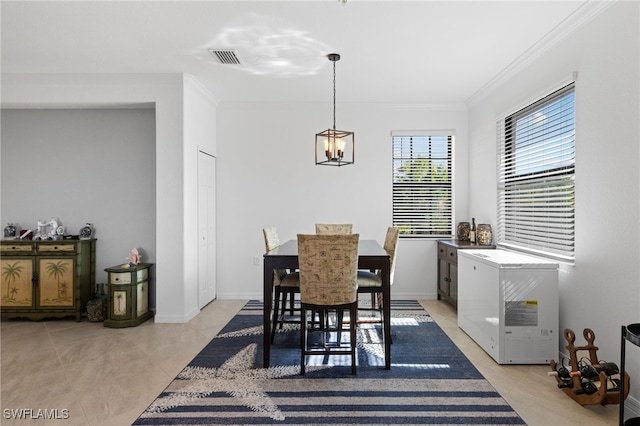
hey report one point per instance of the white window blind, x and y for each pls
(536, 165)
(422, 185)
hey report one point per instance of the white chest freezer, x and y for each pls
(508, 304)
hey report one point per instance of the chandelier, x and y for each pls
(334, 147)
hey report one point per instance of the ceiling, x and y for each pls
(407, 52)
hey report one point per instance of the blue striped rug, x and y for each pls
(430, 381)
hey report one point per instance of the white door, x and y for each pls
(206, 228)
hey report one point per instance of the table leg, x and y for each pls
(267, 297)
(386, 312)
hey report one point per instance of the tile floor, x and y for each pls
(105, 376)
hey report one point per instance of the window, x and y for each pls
(536, 164)
(422, 185)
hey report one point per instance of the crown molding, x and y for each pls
(197, 84)
(584, 14)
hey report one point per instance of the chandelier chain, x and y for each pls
(334, 95)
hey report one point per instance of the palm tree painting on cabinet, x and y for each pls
(56, 282)
(17, 287)
(120, 305)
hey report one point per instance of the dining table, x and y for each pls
(371, 256)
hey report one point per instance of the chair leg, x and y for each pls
(283, 308)
(352, 325)
(339, 322)
(276, 314)
(379, 297)
(303, 338)
(292, 301)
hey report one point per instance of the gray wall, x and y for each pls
(80, 166)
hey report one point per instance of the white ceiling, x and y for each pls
(426, 52)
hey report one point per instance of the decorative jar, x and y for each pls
(463, 231)
(484, 235)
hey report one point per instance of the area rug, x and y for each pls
(430, 380)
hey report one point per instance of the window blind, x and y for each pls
(422, 185)
(536, 167)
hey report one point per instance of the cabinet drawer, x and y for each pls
(56, 248)
(442, 251)
(16, 248)
(120, 278)
(452, 255)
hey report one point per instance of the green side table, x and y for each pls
(128, 295)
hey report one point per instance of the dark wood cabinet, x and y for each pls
(448, 267)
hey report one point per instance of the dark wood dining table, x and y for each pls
(371, 255)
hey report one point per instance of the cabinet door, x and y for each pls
(443, 278)
(453, 281)
(120, 302)
(56, 282)
(142, 299)
(17, 282)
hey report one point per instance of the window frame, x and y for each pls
(536, 208)
(419, 223)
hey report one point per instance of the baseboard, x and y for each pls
(239, 296)
(176, 319)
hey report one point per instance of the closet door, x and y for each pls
(206, 228)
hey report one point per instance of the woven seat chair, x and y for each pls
(328, 266)
(326, 229)
(334, 228)
(285, 285)
(371, 281)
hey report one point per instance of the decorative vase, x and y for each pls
(97, 307)
(463, 231)
(484, 234)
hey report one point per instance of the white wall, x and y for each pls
(199, 134)
(267, 177)
(83, 165)
(602, 290)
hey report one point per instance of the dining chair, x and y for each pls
(334, 228)
(328, 266)
(371, 281)
(284, 284)
(325, 229)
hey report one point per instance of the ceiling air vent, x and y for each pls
(226, 57)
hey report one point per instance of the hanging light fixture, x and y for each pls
(334, 147)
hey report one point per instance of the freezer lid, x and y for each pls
(505, 259)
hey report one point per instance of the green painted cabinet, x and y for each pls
(128, 295)
(46, 279)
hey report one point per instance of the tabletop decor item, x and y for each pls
(484, 234)
(10, 231)
(463, 231)
(26, 234)
(134, 257)
(86, 232)
(47, 230)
